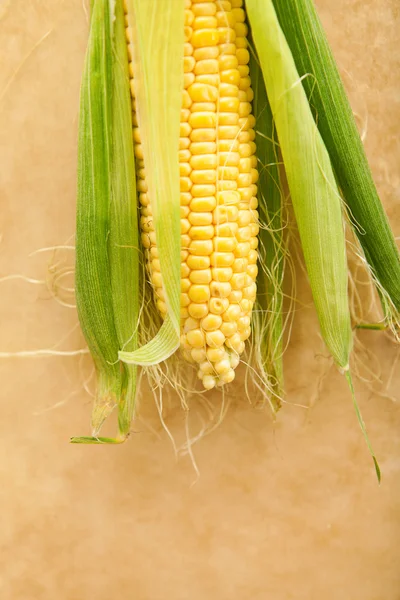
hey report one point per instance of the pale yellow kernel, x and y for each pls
(185, 225)
(242, 250)
(185, 112)
(185, 198)
(202, 276)
(206, 66)
(205, 232)
(228, 118)
(199, 354)
(243, 323)
(238, 281)
(220, 289)
(228, 132)
(211, 322)
(205, 22)
(200, 218)
(250, 292)
(228, 90)
(216, 354)
(204, 161)
(152, 237)
(155, 264)
(187, 47)
(184, 312)
(227, 377)
(209, 382)
(203, 147)
(228, 159)
(234, 342)
(240, 265)
(235, 360)
(222, 259)
(228, 145)
(222, 366)
(218, 305)
(245, 334)
(198, 262)
(227, 198)
(254, 243)
(203, 135)
(246, 195)
(222, 273)
(226, 229)
(252, 257)
(185, 271)
(243, 234)
(227, 35)
(205, 37)
(207, 176)
(211, 79)
(229, 48)
(252, 271)
(146, 224)
(203, 107)
(225, 19)
(231, 76)
(184, 143)
(197, 311)
(191, 324)
(184, 255)
(215, 339)
(227, 185)
(246, 305)
(203, 204)
(229, 173)
(206, 368)
(185, 300)
(224, 244)
(206, 53)
(244, 180)
(228, 328)
(195, 338)
(245, 150)
(203, 120)
(244, 218)
(201, 92)
(232, 313)
(188, 79)
(189, 17)
(225, 213)
(244, 137)
(154, 253)
(201, 247)
(254, 229)
(184, 129)
(184, 169)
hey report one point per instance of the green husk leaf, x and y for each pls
(158, 50)
(315, 197)
(92, 275)
(325, 90)
(87, 439)
(269, 329)
(124, 237)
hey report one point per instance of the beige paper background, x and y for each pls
(291, 511)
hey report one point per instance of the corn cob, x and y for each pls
(219, 220)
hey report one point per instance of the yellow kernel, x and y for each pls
(184, 169)
(227, 377)
(189, 17)
(244, 180)
(156, 279)
(222, 259)
(205, 22)
(226, 35)
(184, 143)
(243, 234)
(254, 243)
(139, 154)
(144, 199)
(246, 195)
(203, 135)
(203, 204)
(229, 328)
(228, 173)
(232, 313)
(231, 76)
(195, 338)
(162, 307)
(215, 339)
(216, 354)
(228, 118)
(207, 66)
(244, 137)
(228, 159)
(222, 273)
(224, 244)
(218, 305)
(145, 239)
(225, 185)
(206, 369)
(242, 250)
(241, 30)
(254, 229)
(228, 132)
(244, 71)
(202, 190)
(220, 289)
(205, 37)
(204, 161)
(205, 232)
(211, 322)
(185, 184)
(228, 145)
(209, 382)
(203, 120)
(186, 100)
(201, 276)
(191, 324)
(210, 79)
(197, 311)
(227, 62)
(185, 301)
(240, 265)
(227, 89)
(203, 7)
(228, 48)
(246, 305)
(238, 13)
(245, 334)
(235, 343)
(206, 53)
(184, 129)
(203, 176)
(252, 257)
(201, 247)
(198, 354)
(225, 213)
(203, 147)
(252, 271)
(185, 198)
(222, 366)
(249, 292)
(225, 19)
(201, 92)
(203, 107)
(199, 293)
(241, 42)
(228, 197)
(238, 281)
(243, 323)
(200, 218)
(184, 255)
(245, 165)
(188, 79)
(185, 271)
(198, 262)
(185, 225)
(244, 218)
(226, 230)
(184, 313)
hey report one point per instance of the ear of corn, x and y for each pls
(324, 88)
(217, 201)
(269, 331)
(93, 282)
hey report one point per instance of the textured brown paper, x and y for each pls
(285, 511)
